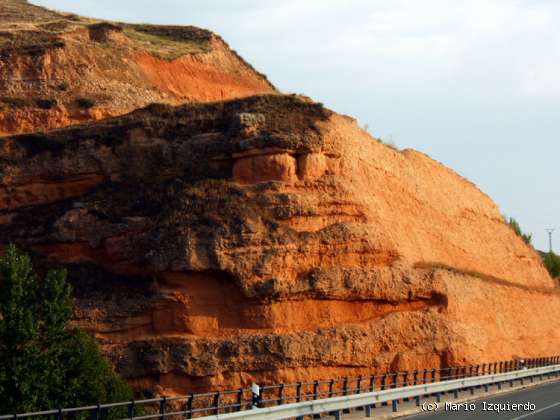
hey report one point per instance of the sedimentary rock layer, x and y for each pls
(58, 69)
(270, 239)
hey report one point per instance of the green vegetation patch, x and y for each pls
(56, 26)
(552, 263)
(527, 237)
(28, 42)
(169, 42)
(47, 363)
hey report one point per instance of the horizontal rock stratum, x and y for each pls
(267, 238)
(270, 239)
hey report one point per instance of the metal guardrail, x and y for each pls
(335, 406)
(313, 397)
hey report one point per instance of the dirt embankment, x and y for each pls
(59, 69)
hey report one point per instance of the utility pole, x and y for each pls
(550, 231)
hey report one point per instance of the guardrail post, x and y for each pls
(331, 384)
(217, 403)
(281, 394)
(433, 375)
(359, 384)
(383, 385)
(96, 413)
(131, 410)
(162, 408)
(371, 388)
(395, 406)
(395, 380)
(337, 415)
(315, 390)
(502, 367)
(59, 414)
(415, 382)
(405, 382)
(189, 405)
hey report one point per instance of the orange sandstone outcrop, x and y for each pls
(270, 239)
(59, 69)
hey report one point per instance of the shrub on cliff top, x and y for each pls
(552, 263)
(527, 237)
(46, 363)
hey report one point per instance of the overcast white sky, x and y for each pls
(473, 83)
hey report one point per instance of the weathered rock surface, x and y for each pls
(270, 239)
(59, 69)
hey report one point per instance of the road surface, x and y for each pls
(546, 400)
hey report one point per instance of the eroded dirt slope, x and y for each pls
(59, 69)
(270, 239)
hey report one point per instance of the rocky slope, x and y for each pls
(270, 239)
(58, 69)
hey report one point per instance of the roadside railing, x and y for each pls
(313, 397)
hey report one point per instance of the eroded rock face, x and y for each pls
(59, 69)
(270, 239)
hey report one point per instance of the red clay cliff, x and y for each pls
(58, 69)
(267, 238)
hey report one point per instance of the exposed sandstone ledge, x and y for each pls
(207, 253)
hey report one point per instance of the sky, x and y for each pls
(473, 83)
